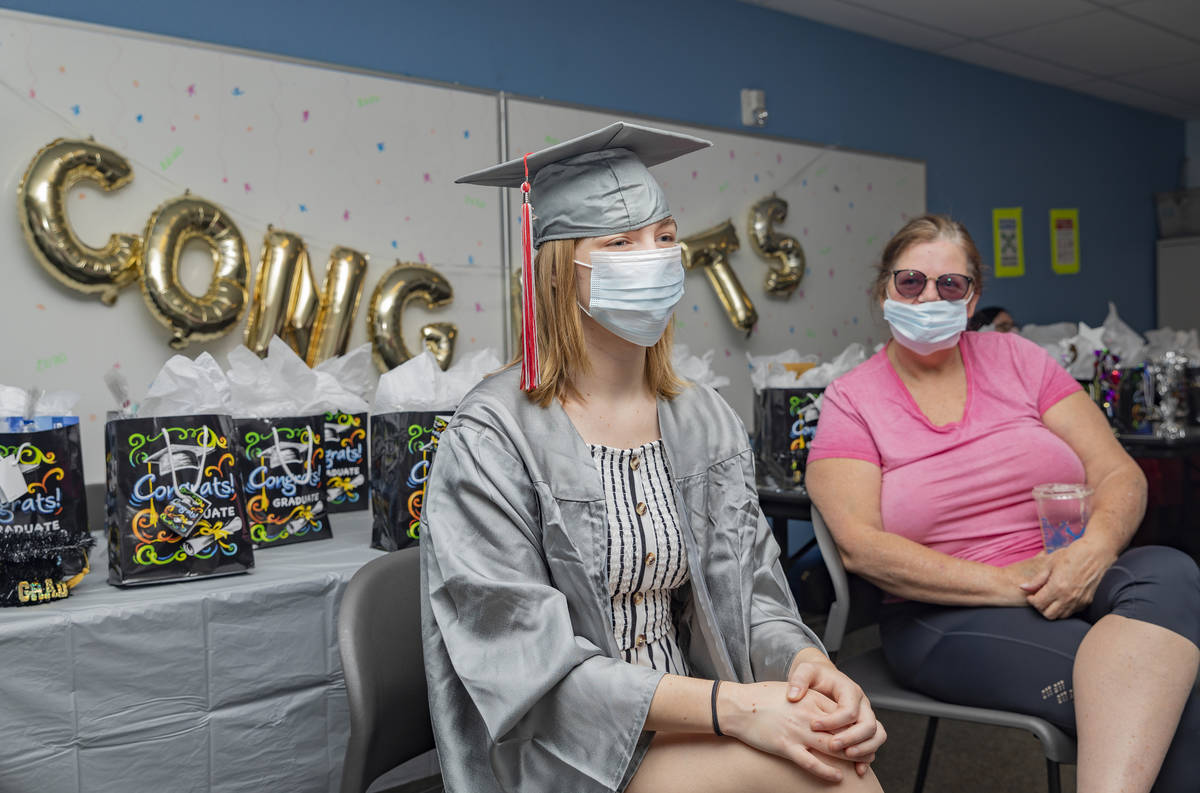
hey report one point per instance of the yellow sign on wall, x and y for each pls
(1009, 241)
(1064, 241)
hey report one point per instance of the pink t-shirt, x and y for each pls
(963, 488)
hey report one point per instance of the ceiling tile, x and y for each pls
(980, 19)
(1181, 81)
(1104, 43)
(983, 54)
(1127, 95)
(865, 21)
(1180, 16)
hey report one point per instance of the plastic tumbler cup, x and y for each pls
(1063, 511)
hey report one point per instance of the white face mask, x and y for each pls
(633, 293)
(926, 328)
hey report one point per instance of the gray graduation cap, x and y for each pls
(595, 184)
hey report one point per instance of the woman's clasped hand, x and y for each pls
(817, 711)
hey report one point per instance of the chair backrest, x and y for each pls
(379, 637)
(855, 601)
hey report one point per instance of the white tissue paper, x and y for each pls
(14, 400)
(698, 369)
(186, 387)
(1077, 354)
(768, 371)
(824, 374)
(420, 384)
(1122, 340)
(1167, 339)
(282, 384)
(1049, 337)
(355, 371)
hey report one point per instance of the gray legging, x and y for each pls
(1014, 659)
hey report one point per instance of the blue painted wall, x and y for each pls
(988, 139)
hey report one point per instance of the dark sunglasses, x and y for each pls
(911, 283)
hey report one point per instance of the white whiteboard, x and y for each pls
(842, 207)
(339, 158)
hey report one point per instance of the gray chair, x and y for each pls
(870, 670)
(379, 637)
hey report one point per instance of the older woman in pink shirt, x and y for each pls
(923, 466)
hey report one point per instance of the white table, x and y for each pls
(224, 684)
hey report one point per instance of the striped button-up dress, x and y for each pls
(646, 558)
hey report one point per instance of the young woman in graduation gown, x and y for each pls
(604, 607)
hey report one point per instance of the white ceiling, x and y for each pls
(1144, 53)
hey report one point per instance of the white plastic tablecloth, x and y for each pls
(223, 684)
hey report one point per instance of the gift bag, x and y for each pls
(345, 445)
(174, 507)
(785, 421)
(402, 448)
(44, 538)
(282, 475)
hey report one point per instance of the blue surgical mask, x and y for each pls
(633, 293)
(926, 328)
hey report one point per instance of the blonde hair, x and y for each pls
(928, 228)
(562, 350)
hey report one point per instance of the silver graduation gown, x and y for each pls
(526, 687)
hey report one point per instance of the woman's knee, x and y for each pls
(1158, 585)
(1161, 566)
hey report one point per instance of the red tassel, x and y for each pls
(529, 351)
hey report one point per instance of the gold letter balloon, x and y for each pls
(283, 258)
(400, 285)
(286, 301)
(41, 204)
(710, 251)
(783, 254)
(174, 224)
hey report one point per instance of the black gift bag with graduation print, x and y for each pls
(785, 421)
(403, 445)
(174, 506)
(283, 479)
(345, 445)
(44, 538)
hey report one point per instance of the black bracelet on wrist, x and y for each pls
(716, 724)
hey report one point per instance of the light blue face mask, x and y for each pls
(926, 328)
(633, 293)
